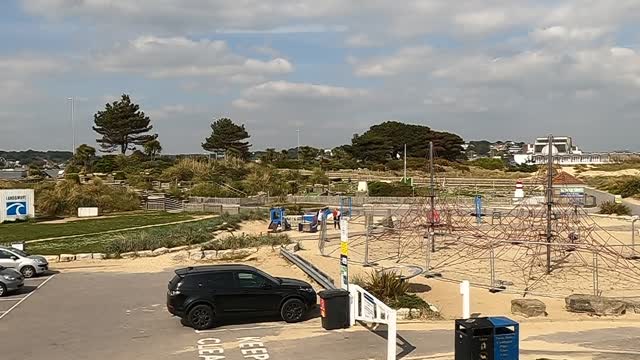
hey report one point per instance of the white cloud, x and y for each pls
(404, 60)
(564, 34)
(361, 40)
(29, 65)
(159, 57)
(284, 89)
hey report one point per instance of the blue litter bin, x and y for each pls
(506, 342)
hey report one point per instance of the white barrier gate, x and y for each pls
(365, 307)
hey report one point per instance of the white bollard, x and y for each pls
(465, 292)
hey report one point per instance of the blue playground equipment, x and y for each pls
(278, 220)
(309, 223)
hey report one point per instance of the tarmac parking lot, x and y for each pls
(122, 316)
(102, 315)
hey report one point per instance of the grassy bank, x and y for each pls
(25, 231)
(191, 233)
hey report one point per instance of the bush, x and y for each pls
(609, 207)
(386, 286)
(399, 189)
(247, 241)
(209, 190)
(525, 168)
(65, 197)
(630, 188)
(488, 163)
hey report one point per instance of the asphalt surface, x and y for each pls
(118, 316)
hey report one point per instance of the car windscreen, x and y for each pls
(19, 252)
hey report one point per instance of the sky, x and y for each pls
(489, 69)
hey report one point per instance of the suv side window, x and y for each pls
(250, 280)
(5, 254)
(220, 280)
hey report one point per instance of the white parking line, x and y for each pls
(237, 329)
(12, 299)
(26, 297)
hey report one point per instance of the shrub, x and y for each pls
(609, 207)
(488, 163)
(386, 286)
(247, 241)
(377, 188)
(630, 188)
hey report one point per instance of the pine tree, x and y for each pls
(122, 125)
(227, 136)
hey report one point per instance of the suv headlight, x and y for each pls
(9, 277)
(174, 292)
(307, 289)
(41, 261)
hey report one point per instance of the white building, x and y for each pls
(564, 153)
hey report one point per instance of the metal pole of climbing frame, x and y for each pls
(549, 200)
(432, 196)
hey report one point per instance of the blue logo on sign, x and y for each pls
(18, 208)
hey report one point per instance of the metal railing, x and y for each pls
(308, 268)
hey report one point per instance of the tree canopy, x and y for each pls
(152, 148)
(122, 126)
(384, 141)
(227, 136)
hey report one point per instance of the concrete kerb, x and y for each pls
(194, 252)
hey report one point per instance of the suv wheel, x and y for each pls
(3, 290)
(28, 272)
(201, 317)
(292, 310)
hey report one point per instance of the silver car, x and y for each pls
(10, 280)
(28, 265)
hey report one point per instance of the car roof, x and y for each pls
(213, 268)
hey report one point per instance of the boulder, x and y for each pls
(128, 255)
(67, 257)
(633, 304)
(195, 255)
(145, 253)
(178, 248)
(99, 256)
(528, 307)
(595, 305)
(84, 256)
(210, 254)
(52, 258)
(160, 251)
(180, 256)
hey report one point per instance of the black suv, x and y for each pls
(203, 294)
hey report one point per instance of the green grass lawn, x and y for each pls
(190, 233)
(25, 231)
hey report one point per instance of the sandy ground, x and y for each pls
(475, 266)
(266, 259)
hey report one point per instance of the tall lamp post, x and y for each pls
(73, 124)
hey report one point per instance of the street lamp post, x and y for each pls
(73, 124)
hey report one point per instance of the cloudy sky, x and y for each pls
(483, 69)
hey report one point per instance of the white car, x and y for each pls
(28, 265)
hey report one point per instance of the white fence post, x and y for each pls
(465, 292)
(365, 307)
(391, 336)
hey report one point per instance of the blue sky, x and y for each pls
(489, 69)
